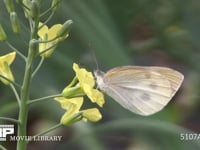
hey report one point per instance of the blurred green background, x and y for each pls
(137, 32)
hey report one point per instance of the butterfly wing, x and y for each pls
(143, 90)
(175, 78)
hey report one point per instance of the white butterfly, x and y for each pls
(142, 90)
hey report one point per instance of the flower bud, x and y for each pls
(63, 32)
(27, 4)
(34, 10)
(14, 22)
(3, 36)
(68, 119)
(9, 5)
(69, 92)
(55, 4)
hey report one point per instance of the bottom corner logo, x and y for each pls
(6, 130)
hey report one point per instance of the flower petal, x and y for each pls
(53, 31)
(87, 82)
(45, 46)
(92, 114)
(94, 95)
(7, 73)
(70, 118)
(48, 34)
(72, 106)
(44, 30)
(67, 103)
(84, 76)
(9, 58)
(5, 62)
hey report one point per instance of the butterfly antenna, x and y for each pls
(94, 56)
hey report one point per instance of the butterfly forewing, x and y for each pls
(175, 77)
(143, 90)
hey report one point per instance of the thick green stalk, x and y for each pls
(23, 113)
(25, 90)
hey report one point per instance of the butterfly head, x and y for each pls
(99, 77)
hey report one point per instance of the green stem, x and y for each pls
(49, 130)
(43, 98)
(11, 81)
(47, 41)
(30, 24)
(38, 67)
(9, 119)
(49, 48)
(2, 147)
(45, 12)
(48, 10)
(25, 90)
(14, 49)
(16, 94)
(23, 113)
(50, 17)
(74, 81)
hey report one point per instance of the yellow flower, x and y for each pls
(87, 83)
(72, 100)
(67, 104)
(92, 114)
(5, 71)
(72, 106)
(46, 34)
(73, 113)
